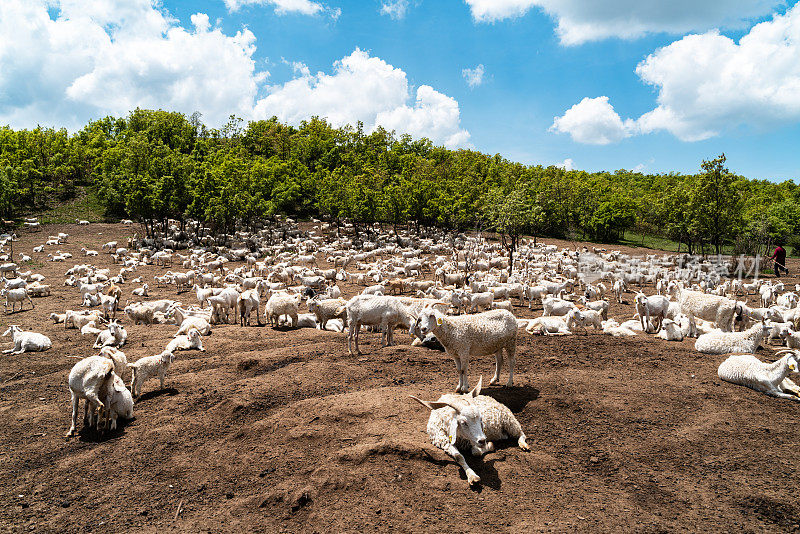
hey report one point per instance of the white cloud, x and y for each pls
(396, 9)
(593, 121)
(474, 77)
(366, 89)
(434, 115)
(283, 7)
(303, 7)
(579, 21)
(200, 22)
(107, 57)
(298, 67)
(494, 10)
(567, 165)
(110, 56)
(707, 84)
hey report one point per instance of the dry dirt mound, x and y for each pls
(274, 430)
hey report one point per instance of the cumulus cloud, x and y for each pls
(707, 84)
(474, 77)
(593, 121)
(567, 165)
(92, 58)
(298, 67)
(579, 21)
(367, 89)
(396, 9)
(282, 7)
(494, 10)
(109, 56)
(433, 115)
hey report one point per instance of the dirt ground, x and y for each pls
(278, 430)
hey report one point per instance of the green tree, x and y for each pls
(717, 202)
(509, 215)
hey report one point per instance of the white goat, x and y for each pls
(109, 304)
(556, 307)
(377, 310)
(190, 341)
(80, 319)
(247, 303)
(472, 421)
(16, 295)
(26, 341)
(655, 306)
(770, 378)
(224, 303)
(612, 328)
(670, 331)
(147, 367)
(37, 289)
(139, 313)
(326, 309)
(88, 379)
(119, 403)
(482, 300)
(117, 357)
(548, 326)
(141, 291)
(281, 304)
(584, 318)
(694, 304)
(732, 342)
(619, 289)
(115, 335)
(473, 335)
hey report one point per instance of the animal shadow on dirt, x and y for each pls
(485, 469)
(515, 397)
(282, 328)
(170, 392)
(92, 435)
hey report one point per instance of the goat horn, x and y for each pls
(435, 405)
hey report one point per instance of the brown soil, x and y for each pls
(278, 430)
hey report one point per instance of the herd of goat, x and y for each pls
(453, 293)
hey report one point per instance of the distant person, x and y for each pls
(779, 257)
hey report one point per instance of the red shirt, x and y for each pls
(779, 255)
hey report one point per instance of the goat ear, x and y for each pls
(477, 389)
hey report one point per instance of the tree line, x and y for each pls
(156, 165)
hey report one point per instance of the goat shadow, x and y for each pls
(92, 435)
(282, 328)
(515, 397)
(157, 393)
(481, 465)
(485, 469)
(15, 312)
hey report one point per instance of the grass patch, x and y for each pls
(87, 207)
(635, 240)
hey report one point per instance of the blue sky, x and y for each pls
(634, 84)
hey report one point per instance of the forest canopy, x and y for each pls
(155, 165)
